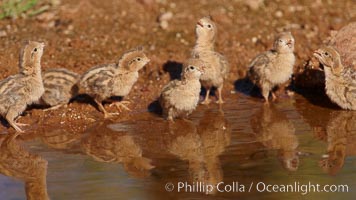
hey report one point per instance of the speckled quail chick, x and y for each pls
(113, 80)
(217, 67)
(25, 88)
(340, 80)
(180, 97)
(60, 87)
(274, 67)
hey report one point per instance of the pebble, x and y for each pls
(254, 40)
(278, 14)
(254, 4)
(164, 18)
(3, 33)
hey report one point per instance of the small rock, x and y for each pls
(254, 4)
(172, 5)
(254, 40)
(3, 33)
(183, 41)
(69, 30)
(46, 17)
(163, 25)
(164, 18)
(278, 14)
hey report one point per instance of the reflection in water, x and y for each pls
(275, 131)
(60, 138)
(201, 146)
(16, 162)
(341, 139)
(106, 145)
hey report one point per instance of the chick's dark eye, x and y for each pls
(326, 53)
(35, 49)
(191, 67)
(209, 26)
(138, 59)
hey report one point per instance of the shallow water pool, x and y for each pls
(243, 149)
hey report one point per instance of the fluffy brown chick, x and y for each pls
(25, 88)
(340, 81)
(217, 67)
(274, 67)
(181, 97)
(60, 87)
(113, 80)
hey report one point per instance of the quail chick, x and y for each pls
(217, 67)
(181, 97)
(60, 87)
(340, 80)
(20, 90)
(113, 80)
(274, 67)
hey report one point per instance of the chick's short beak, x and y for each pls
(200, 24)
(317, 53)
(202, 69)
(289, 43)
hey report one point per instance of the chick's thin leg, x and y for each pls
(206, 100)
(18, 123)
(274, 96)
(54, 107)
(122, 105)
(102, 109)
(265, 91)
(170, 115)
(10, 116)
(220, 100)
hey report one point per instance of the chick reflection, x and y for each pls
(106, 145)
(60, 138)
(16, 162)
(201, 146)
(275, 131)
(341, 139)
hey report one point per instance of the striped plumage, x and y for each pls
(113, 80)
(340, 80)
(96, 80)
(60, 86)
(25, 88)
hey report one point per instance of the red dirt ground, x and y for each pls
(81, 34)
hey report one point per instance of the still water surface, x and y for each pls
(243, 143)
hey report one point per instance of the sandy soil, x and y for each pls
(81, 34)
